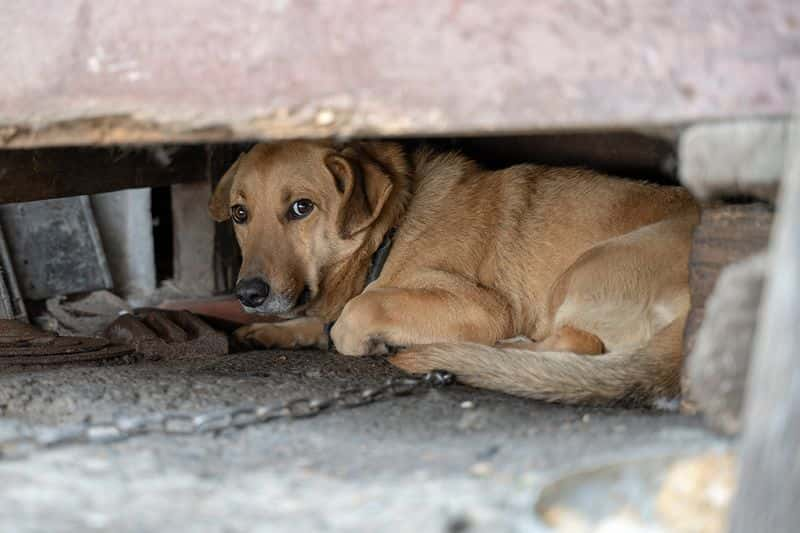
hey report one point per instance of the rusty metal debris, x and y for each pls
(18, 328)
(164, 334)
(49, 350)
(11, 304)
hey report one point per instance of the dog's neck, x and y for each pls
(349, 278)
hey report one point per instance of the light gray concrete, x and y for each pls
(91, 72)
(770, 475)
(733, 157)
(425, 463)
(193, 239)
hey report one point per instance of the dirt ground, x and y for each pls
(448, 460)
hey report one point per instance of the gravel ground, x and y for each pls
(454, 459)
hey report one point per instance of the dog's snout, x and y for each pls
(252, 292)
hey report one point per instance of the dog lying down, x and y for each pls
(563, 285)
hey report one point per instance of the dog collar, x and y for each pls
(375, 267)
(380, 256)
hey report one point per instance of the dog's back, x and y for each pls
(564, 248)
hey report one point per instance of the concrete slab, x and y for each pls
(149, 71)
(425, 463)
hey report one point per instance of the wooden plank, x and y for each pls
(769, 478)
(115, 71)
(38, 174)
(726, 233)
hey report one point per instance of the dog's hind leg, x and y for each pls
(564, 339)
(620, 293)
(438, 307)
(570, 339)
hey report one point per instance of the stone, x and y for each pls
(717, 367)
(740, 157)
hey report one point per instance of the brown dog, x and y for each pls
(592, 268)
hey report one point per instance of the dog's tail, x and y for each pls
(635, 378)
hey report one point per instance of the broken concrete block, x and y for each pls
(742, 157)
(718, 365)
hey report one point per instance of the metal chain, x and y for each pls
(184, 423)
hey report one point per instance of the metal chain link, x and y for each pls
(184, 423)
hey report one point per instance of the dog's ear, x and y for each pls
(364, 185)
(218, 206)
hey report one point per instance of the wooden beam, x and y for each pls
(27, 175)
(727, 233)
(81, 72)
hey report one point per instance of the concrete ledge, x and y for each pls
(733, 158)
(150, 71)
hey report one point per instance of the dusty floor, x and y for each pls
(424, 463)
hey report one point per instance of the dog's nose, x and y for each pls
(252, 291)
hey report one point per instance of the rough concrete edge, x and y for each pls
(316, 120)
(731, 158)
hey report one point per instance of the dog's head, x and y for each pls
(298, 208)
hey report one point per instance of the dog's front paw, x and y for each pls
(262, 335)
(354, 334)
(350, 341)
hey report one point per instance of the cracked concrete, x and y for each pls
(455, 459)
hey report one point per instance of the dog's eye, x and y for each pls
(239, 213)
(301, 209)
